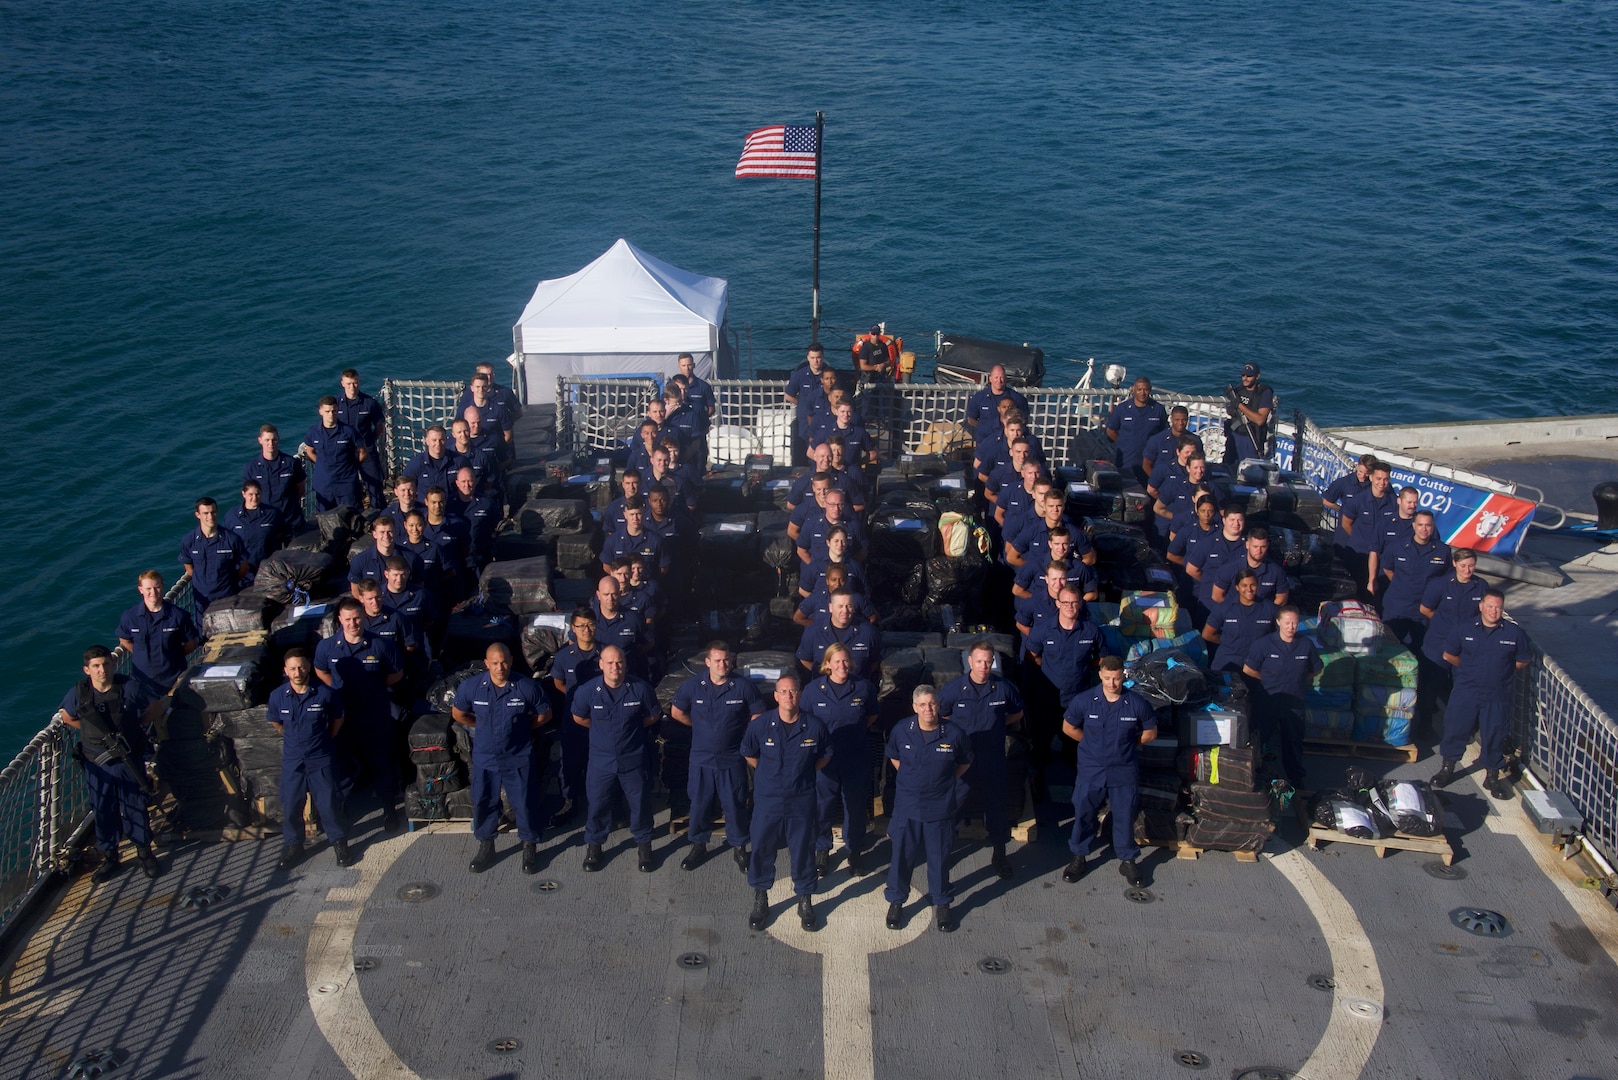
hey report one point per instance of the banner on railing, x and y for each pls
(1466, 516)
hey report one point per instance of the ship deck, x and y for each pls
(1329, 963)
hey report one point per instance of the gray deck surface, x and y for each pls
(587, 975)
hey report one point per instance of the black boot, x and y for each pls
(484, 858)
(1075, 869)
(1131, 873)
(148, 861)
(760, 914)
(740, 855)
(568, 811)
(695, 857)
(1001, 864)
(1497, 785)
(339, 850)
(646, 862)
(592, 858)
(806, 914)
(856, 863)
(1445, 774)
(390, 820)
(944, 920)
(530, 857)
(896, 916)
(822, 862)
(291, 855)
(107, 870)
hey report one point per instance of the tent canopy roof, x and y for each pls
(626, 301)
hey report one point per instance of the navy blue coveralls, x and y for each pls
(308, 757)
(1414, 566)
(364, 414)
(1284, 671)
(924, 806)
(1239, 626)
(1451, 603)
(1135, 425)
(1243, 438)
(359, 672)
(847, 711)
(1064, 656)
(337, 465)
(1481, 700)
(214, 561)
(503, 751)
(116, 799)
(158, 637)
(571, 668)
(788, 757)
(278, 479)
(1361, 510)
(980, 712)
(1108, 767)
(719, 717)
(862, 639)
(621, 753)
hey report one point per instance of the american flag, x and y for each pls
(779, 151)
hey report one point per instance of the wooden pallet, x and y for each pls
(1024, 831)
(1350, 749)
(1432, 845)
(1184, 849)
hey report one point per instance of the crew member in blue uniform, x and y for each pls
(1279, 666)
(1031, 610)
(1410, 566)
(637, 541)
(1247, 424)
(1269, 573)
(846, 705)
(620, 626)
(1486, 652)
(1449, 601)
(1176, 496)
(1110, 724)
(417, 609)
(501, 395)
(453, 538)
(985, 706)
(388, 625)
(1064, 650)
(1187, 544)
(158, 635)
(717, 707)
(983, 407)
(1132, 424)
(929, 756)
(1033, 543)
(504, 710)
(1238, 621)
(404, 501)
(785, 748)
(1337, 495)
(803, 391)
(369, 564)
(361, 668)
(481, 511)
(365, 415)
(1077, 572)
(1358, 519)
(1211, 556)
(812, 545)
(574, 664)
(620, 711)
(336, 451)
(1164, 446)
(493, 416)
(699, 393)
(308, 714)
(431, 557)
(1392, 529)
(834, 577)
(862, 639)
(280, 478)
(434, 465)
(214, 558)
(473, 448)
(257, 526)
(105, 708)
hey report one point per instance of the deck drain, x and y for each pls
(1323, 982)
(203, 896)
(417, 892)
(1363, 1008)
(327, 988)
(1191, 1059)
(97, 1063)
(365, 963)
(1439, 869)
(546, 886)
(1139, 896)
(692, 961)
(994, 965)
(1480, 921)
(507, 1045)
(1264, 1072)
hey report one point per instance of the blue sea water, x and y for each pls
(1403, 211)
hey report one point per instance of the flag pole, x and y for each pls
(820, 124)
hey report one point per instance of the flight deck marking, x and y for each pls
(848, 1051)
(1356, 1015)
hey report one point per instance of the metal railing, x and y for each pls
(44, 806)
(413, 405)
(1571, 744)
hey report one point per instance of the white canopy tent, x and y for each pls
(627, 313)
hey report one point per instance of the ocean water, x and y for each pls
(1404, 212)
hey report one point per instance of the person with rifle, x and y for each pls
(112, 714)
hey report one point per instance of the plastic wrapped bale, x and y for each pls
(730, 542)
(1159, 789)
(233, 614)
(433, 806)
(230, 684)
(908, 536)
(300, 624)
(1230, 803)
(1171, 675)
(1350, 626)
(729, 490)
(1411, 805)
(285, 577)
(543, 636)
(1152, 614)
(1389, 665)
(1233, 767)
(1298, 549)
(522, 587)
(242, 724)
(430, 740)
(896, 582)
(667, 687)
(1219, 834)
(259, 756)
(340, 525)
(555, 516)
(512, 544)
(1190, 643)
(1342, 812)
(579, 554)
(441, 694)
(472, 628)
(441, 776)
(764, 666)
(1333, 724)
(942, 666)
(1337, 672)
(957, 580)
(1156, 826)
(900, 672)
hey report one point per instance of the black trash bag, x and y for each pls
(430, 740)
(340, 525)
(955, 579)
(441, 776)
(287, 576)
(555, 516)
(235, 614)
(1172, 675)
(521, 586)
(441, 694)
(1411, 805)
(539, 644)
(1343, 812)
